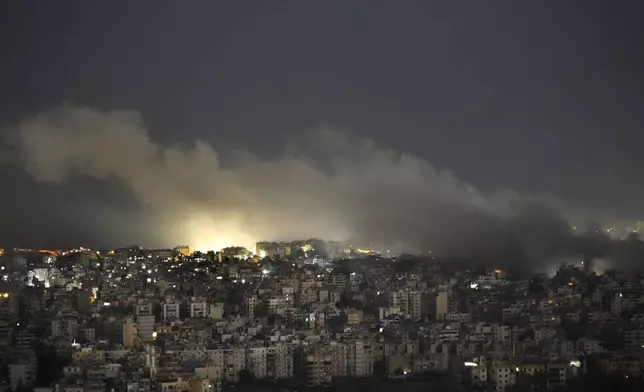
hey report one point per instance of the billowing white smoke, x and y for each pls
(339, 188)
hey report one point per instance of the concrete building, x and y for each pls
(144, 309)
(634, 338)
(360, 358)
(556, 372)
(145, 327)
(319, 369)
(198, 309)
(408, 301)
(256, 361)
(354, 316)
(216, 311)
(502, 376)
(88, 335)
(249, 306)
(414, 304)
(130, 334)
(279, 361)
(234, 362)
(65, 328)
(442, 303)
(171, 310)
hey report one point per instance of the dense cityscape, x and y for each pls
(310, 315)
(321, 196)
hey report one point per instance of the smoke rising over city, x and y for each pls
(331, 186)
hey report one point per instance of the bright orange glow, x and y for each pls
(204, 234)
(51, 252)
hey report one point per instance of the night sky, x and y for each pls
(545, 98)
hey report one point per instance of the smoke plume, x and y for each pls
(335, 188)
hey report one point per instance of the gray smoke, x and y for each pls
(335, 188)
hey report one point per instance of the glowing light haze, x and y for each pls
(332, 187)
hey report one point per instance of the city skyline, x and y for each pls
(330, 196)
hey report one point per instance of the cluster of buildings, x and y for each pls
(137, 320)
